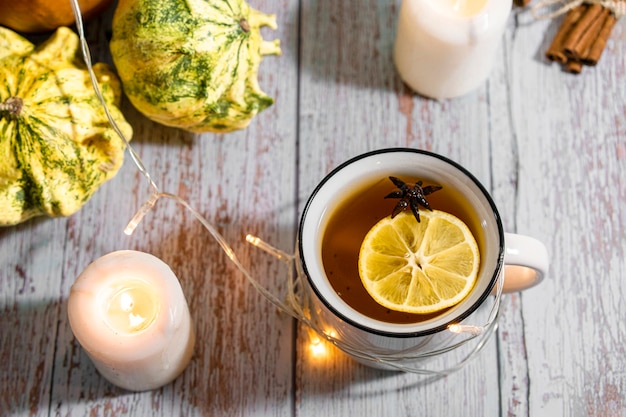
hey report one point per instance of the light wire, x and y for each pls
(296, 302)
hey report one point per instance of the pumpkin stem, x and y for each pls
(245, 26)
(12, 105)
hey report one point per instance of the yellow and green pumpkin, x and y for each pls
(56, 146)
(192, 64)
(36, 16)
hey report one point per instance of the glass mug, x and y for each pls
(508, 262)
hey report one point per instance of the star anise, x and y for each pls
(411, 197)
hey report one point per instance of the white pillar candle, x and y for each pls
(128, 311)
(446, 48)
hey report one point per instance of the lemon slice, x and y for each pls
(420, 267)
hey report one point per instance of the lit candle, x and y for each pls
(446, 48)
(128, 311)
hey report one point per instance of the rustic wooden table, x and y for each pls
(550, 147)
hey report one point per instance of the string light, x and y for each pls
(463, 328)
(255, 241)
(319, 343)
(318, 347)
(331, 333)
(132, 225)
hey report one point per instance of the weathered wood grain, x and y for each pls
(352, 101)
(244, 354)
(569, 193)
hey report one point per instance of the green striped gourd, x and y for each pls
(192, 64)
(56, 147)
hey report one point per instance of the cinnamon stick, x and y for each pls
(580, 29)
(555, 51)
(574, 67)
(592, 56)
(588, 37)
(582, 36)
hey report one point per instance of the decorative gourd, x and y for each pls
(34, 16)
(192, 64)
(56, 146)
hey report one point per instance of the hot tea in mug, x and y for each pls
(339, 214)
(352, 220)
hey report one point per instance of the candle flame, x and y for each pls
(126, 302)
(467, 7)
(458, 4)
(132, 307)
(135, 320)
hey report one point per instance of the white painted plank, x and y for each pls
(340, 72)
(570, 194)
(241, 182)
(550, 146)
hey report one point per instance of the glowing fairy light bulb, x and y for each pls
(318, 347)
(469, 329)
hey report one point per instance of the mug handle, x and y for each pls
(526, 262)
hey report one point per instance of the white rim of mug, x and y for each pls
(400, 334)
